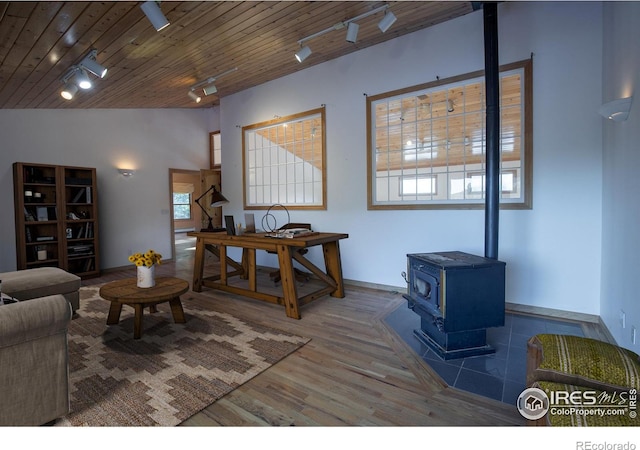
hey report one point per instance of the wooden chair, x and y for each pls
(300, 275)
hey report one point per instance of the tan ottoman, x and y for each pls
(42, 282)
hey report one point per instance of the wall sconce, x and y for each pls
(153, 12)
(126, 172)
(616, 110)
(217, 199)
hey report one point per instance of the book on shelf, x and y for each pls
(82, 195)
(28, 217)
(78, 196)
(42, 213)
(80, 250)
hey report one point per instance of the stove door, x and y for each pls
(424, 288)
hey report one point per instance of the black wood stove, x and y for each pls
(458, 296)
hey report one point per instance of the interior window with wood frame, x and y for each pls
(284, 162)
(427, 144)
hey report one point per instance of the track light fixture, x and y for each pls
(303, 53)
(153, 12)
(81, 79)
(210, 89)
(77, 77)
(68, 91)
(207, 86)
(352, 32)
(386, 22)
(352, 29)
(89, 63)
(195, 97)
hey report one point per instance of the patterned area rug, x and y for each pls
(172, 372)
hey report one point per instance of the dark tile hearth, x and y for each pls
(501, 375)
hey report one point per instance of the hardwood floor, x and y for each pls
(355, 370)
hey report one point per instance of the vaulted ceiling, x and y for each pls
(249, 42)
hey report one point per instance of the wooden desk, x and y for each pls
(286, 250)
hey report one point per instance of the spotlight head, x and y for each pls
(195, 97)
(386, 22)
(352, 32)
(68, 91)
(94, 67)
(153, 12)
(303, 53)
(81, 79)
(210, 89)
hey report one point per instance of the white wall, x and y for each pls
(621, 210)
(134, 212)
(553, 251)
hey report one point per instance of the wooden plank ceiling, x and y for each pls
(39, 41)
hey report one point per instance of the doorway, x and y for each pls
(184, 187)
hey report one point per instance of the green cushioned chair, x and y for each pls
(582, 362)
(571, 363)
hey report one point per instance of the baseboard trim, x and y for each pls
(380, 287)
(550, 312)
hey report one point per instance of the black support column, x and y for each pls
(492, 84)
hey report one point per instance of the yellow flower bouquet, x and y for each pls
(145, 264)
(147, 259)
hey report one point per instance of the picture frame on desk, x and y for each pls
(230, 225)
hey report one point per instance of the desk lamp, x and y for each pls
(217, 199)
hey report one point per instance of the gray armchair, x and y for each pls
(34, 380)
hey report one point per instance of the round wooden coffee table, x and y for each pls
(126, 292)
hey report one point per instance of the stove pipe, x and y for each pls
(492, 83)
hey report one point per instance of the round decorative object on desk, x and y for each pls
(146, 277)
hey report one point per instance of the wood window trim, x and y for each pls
(321, 161)
(527, 138)
(213, 163)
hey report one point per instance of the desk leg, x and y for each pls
(137, 320)
(250, 268)
(198, 265)
(223, 263)
(289, 289)
(333, 264)
(176, 310)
